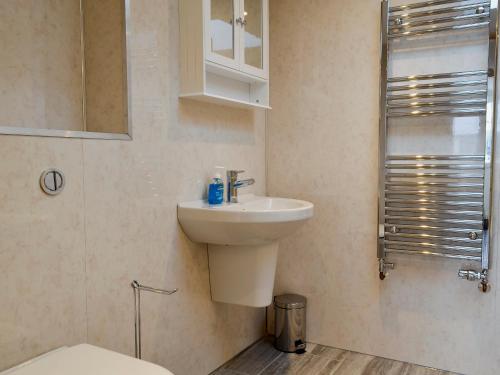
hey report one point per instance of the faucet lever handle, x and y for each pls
(234, 173)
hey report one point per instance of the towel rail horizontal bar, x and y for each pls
(433, 211)
(424, 4)
(438, 85)
(465, 249)
(436, 21)
(435, 157)
(434, 240)
(439, 94)
(439, 103)
(428, 202)
(451, 112)
(452, 185)
(441, 187)
(435, 220)
(447, 10)
(438, 197)
(461, 167)
(477, 25)
(425, 193)
(430, 228)
(430, 253)
(457, 176)
(424, 77)
(437, 240)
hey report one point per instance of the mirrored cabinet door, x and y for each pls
(222, 38)
(254, 37)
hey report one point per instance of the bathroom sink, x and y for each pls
(243, 243)
(253, 221)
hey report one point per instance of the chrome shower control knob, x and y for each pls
(480, 10)
(473, 236)
(398, 21)
(394, 229)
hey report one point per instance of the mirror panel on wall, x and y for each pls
(63, 68)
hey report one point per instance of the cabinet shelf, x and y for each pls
(224, 100)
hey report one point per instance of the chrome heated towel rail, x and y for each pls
(437, 205)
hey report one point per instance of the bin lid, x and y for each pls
(290, 301)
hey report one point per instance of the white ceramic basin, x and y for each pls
(254, 221)
(242, 243)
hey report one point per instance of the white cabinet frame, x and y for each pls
(211, 77)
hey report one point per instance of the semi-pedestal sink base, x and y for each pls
(242, 243)
(243, 275)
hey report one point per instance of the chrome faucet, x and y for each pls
(233, 184)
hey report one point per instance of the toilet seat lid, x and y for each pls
(86, 359)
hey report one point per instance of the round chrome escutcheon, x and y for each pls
(52, 181)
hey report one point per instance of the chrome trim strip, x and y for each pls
(63, 133)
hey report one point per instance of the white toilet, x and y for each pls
(85, 359)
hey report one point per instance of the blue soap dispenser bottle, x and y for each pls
(216, 188)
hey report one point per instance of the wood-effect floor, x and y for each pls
(263, 359)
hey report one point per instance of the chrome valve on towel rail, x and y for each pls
(437, 205)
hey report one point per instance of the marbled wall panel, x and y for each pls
(132, 189)
(323, 147)
(69, 260)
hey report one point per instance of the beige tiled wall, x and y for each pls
(67, 261)
(323, 147)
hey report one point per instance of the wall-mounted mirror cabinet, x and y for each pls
(225, 51)
(63, 68)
